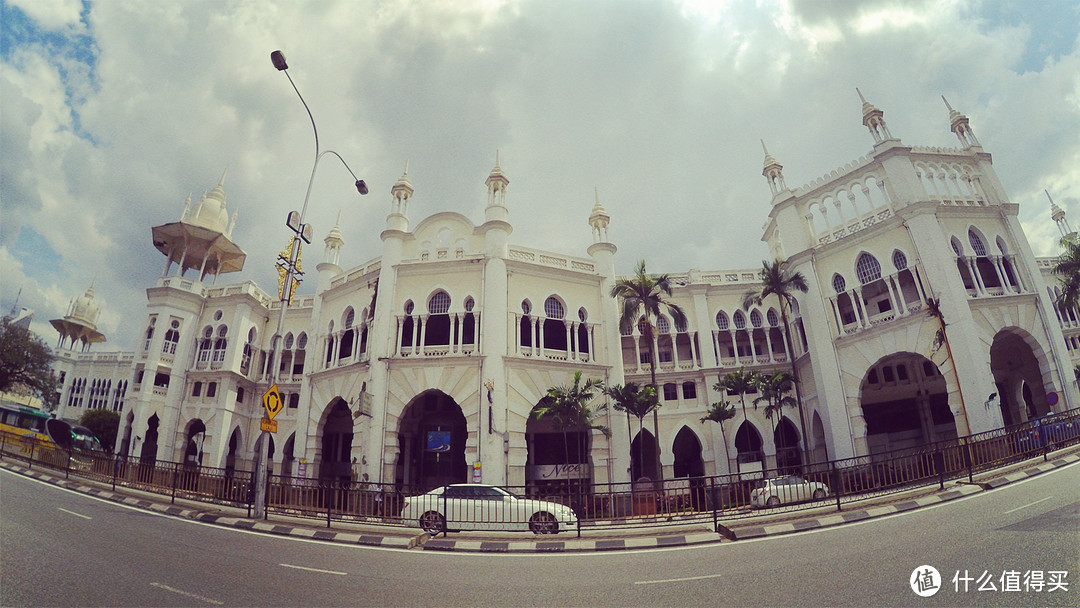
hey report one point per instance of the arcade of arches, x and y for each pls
(905, 403)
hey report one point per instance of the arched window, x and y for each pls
(299, 355)
(149, 333)
(739, 319)
(439, 304)
(662, 325)
(204, 345)
(755, 318)
(838, 283)
(721, 321)
(437, 332)
(867, 268)
(468, 324)
(553, 308)
(976, 243)
(553, 326)
(772, 318)
(349, 319)
(899, 260)
(219, 344)
(172, 337)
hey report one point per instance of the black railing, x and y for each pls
(791, 487)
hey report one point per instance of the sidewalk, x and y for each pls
(592, 538)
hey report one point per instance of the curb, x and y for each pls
(658, 539)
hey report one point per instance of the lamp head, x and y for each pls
(279, 61)
(361, 187)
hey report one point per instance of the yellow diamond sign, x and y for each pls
(272, 402)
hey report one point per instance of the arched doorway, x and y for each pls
(148, 453)
(1018, 377)
(193, 443)
(690, 467)
(751, 459)
(788, 454)
(644, 459)
(431, 442)
(558, 457)
(905, 404)
(337, 436)
(287, 457)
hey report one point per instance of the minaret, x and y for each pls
(874, 120)
(333, 242)
(80, 324)
(773, 172)
(401, 192)
(496, 183)
(1058, 215)
(202, 238)
(959, 125)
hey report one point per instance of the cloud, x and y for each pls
(660, 107)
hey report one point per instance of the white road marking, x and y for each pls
(186, 594)
(1027, 505)
(314, 569)
(74, 513)
(679, 580)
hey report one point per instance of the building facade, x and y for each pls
(926, 317)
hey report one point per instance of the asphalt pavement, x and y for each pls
(593, 536)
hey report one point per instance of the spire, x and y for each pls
(401, 193)
(333, 242)
(874, 120)
(187, 208)
(496, 184)
(773, 172)
(1058, 215)
(958, 123)
(599, 219)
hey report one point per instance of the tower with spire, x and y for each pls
(79, 325)
(202, 239)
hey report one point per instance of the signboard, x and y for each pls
(272, 402)
(547, 472)
(1052, 398)
(306, 233)
(270, 426)
(293, 221)
(438, 441)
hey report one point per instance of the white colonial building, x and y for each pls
(422, 366)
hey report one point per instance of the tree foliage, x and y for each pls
(1067, 267)
(104, 425)
(26, 364)
(568, 406)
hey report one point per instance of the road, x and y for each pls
(63, 548)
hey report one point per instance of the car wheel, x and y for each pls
(772, 502)
(432, 522)
(543, 523)
(819, 494)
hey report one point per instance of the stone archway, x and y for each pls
(431, 439)
(687, 451)
(644, 457)
(748, 443)
(788, 454)
(1017, 363)
(905, 403)
(193, 442)
(336, 442)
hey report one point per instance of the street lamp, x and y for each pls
(295, 222)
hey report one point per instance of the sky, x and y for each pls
(112, 112)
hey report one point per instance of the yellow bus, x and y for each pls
(32, 429)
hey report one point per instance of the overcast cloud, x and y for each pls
(114, 111)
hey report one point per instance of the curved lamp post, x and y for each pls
(295, 222)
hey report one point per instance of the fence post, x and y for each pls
(446, 515)
(939, 464)
(3, 444)
(970, 463)
(837, 482)
(30, 460)
(712, 495)
(115, 470)
(330, 503)
(67, 466)
(175, 470)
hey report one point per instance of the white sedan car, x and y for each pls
(786, 489)
(483, 507)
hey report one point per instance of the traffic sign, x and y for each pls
(1052, 398)
(270, 426)
(272, 402)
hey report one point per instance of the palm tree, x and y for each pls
(777, 280)
(643, 299)
(739, 382)
(933, 306)
(636, 401)
(1068, 266)
(774, 388)
(719, 412)
(568, 407)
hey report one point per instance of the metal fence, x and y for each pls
(680, 500)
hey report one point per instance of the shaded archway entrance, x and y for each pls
(644, 459)
(905, 404)
(751, 459)
(337, 436)
(788, 454)
(431, 440)
(687, 450)
(1018, 377)
(193, 443)
(558, 458)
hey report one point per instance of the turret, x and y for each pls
(874, 120)
(958, 123)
